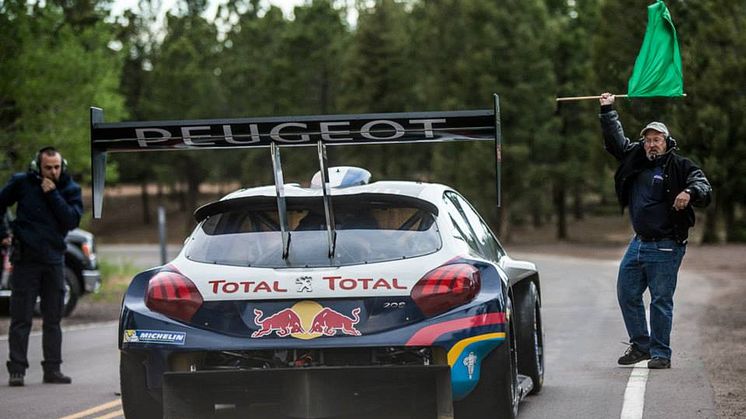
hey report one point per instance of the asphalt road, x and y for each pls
(583, 335)
(583, 332)
(90, 357)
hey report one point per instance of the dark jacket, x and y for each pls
(42, 219)
(679, 172)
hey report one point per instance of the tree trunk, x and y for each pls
(560, 208)
(192, 196)
(181, 194)
(578, 210)
(729, 214)
(145, 202)
(324, 94)
(536, 216)
(710, 235)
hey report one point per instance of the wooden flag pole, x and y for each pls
(567, 99)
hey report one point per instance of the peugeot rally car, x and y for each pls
(343, 299)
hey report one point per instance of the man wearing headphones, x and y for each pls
(660, 187)
(49, 205)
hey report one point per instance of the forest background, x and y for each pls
(59, 57)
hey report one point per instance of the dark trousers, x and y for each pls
(29, 281)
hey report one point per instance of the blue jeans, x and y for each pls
(653, 266)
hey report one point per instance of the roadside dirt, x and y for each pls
(723, 324)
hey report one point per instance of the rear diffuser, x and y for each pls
(317, 392)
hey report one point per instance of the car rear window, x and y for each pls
(369, 228)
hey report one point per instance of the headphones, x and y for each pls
(35, 165)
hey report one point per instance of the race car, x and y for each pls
(343, 299)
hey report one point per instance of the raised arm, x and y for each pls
(614, 140)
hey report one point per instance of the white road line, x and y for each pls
(72, 328)
(634, 395)
(118, 414)
(96, 409)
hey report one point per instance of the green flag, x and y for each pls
(657, 69)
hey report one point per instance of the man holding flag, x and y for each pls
(659, 187)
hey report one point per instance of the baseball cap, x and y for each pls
(658, 126)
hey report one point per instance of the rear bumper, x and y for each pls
(319, 392)
(91, 280)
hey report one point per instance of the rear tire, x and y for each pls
(72, 291)
(530, 337)
(495, 395)
(136, 400)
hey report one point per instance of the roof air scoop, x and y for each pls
(342, 177)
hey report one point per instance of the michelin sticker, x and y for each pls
(154, 336)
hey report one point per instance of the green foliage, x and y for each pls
(470, 49)
(271, 66)
(379, 74)
(708, 122)
(184, 84)
(53, 70)
(254, 67)
(314, 42)
(570, 157)
(400, 55)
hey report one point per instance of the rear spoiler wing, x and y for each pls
(295, 131)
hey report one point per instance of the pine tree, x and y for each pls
(52, 70)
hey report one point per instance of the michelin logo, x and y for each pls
(470, 362)
(154, 336)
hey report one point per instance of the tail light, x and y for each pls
(86, 248)
(446, 287)
(89, 251)
(174, 295)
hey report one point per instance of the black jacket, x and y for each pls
(42, 219)
(679, 172)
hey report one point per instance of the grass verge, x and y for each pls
(115, 278)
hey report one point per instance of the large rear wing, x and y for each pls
(292, 131)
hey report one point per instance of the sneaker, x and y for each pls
(659, 363)
(632, 356)
(56, 377)
(16, 379)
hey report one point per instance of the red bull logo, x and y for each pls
(283, 323)
(329, 321)
(307, 320)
